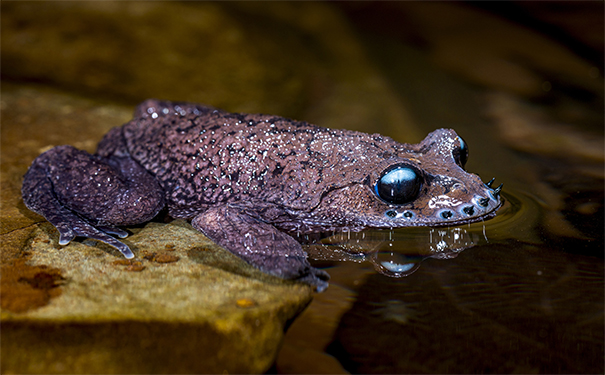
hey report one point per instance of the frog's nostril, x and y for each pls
(469, 210)
(483, 202)
(447, 214)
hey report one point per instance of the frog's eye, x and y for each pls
(460, 154)
(399, 184)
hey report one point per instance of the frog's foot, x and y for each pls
(260, 244)
(71, 226)
(87, 196)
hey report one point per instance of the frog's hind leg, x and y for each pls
(87, 195)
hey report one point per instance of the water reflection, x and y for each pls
(396, 253)
(400, 252)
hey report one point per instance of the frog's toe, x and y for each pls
(96, 233)
(122, 247)
(113, 231)
(66, 235)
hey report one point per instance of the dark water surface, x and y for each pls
(487, 297)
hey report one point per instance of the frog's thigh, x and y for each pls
(85, 195)
(258, 243)
(105, 190)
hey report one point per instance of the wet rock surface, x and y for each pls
(184, 306)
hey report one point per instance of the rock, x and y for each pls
(184, 304)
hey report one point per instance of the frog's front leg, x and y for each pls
(89, 195)
(260, 244)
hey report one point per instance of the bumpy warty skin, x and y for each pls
(249, 181)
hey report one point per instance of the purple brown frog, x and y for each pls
(252, 182)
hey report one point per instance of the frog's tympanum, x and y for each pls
(252, 182)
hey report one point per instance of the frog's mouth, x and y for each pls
(486, 216)
(445, 211)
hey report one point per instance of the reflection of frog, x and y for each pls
(246, 181)
(395, 253)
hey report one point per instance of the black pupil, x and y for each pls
(461, 153)
(399, 185)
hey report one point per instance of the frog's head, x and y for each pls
(418, 185)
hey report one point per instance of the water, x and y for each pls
(496, 296)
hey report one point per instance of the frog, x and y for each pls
(254, 183)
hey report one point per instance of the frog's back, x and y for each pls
(202, 156)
